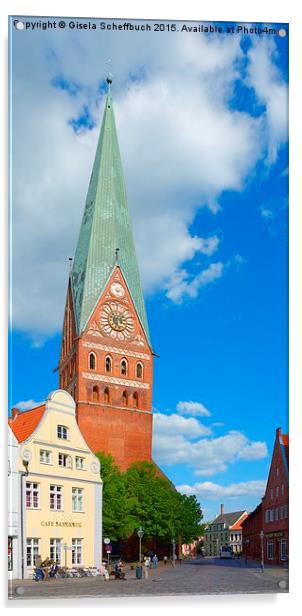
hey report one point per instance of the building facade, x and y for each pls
(60, 487)
(266, 531)
(225, 529)
(13, 494)
(106, 360)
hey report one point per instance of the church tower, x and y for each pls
(106, 357)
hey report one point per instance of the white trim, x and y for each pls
(111, 349)
(114, 380)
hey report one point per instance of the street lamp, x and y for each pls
(262, 552)
(140, 533)
(173, 553)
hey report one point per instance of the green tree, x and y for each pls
(188, 518)
(117, 520)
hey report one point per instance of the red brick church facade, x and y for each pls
(106, 358)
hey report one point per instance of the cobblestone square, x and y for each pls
(195, 577)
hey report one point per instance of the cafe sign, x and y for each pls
(56, 523)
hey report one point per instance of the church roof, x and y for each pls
(106, 226)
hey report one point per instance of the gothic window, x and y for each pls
(106, 395)
(124, 398)
(92, 361)
(139, 370)
(108, 364)
(95, 393)
(124, 367)
(135, 399)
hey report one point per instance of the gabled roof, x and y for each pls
(238, 524)
(228, 518)
(106, 226)
(24, 423)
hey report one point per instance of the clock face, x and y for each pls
(116, 321)
(117, 289)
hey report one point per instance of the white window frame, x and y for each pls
(283, 552)
(56, 491)
(32, 550)
(45, 456)
(61, 430)
(95, 364)
(124, 360)
(79, 463)
(277, 514)
(66, 459)
(33, 491)
(110, 358)
(55, 550)
(77, 500)
(77, 551)
(270, 549)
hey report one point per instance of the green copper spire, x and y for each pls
(106, 227)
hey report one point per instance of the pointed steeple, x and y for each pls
(105, 235)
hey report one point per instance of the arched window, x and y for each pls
(124, 367)
(124, 398)
(135, 399)
(139, 370)
(106, 395)
(108, 364)
(92, 361)
(95, 393)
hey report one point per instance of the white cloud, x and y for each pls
(206, 456)
(170, 128)
(192, 408)
(214, 491)
(175, 426)
(178, 286)
(266, 212)
(25, 405)
(271, 91)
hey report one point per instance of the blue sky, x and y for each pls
(209, 190)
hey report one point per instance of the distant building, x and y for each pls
(59, 485)
(225, 529)
(271, 516)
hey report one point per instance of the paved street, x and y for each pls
(195, 577)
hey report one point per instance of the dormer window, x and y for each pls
(108, 364)
(92, 361)
(124, 367)
(62, 432)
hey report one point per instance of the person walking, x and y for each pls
(165, 560)
(154, 561)
(146, 566)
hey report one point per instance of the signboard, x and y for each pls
(274, 535)
(108, 548)
(106, 540)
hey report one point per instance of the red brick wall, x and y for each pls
(117, 426)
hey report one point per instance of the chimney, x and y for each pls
(221, 509)
(14, 414)
(278, 432)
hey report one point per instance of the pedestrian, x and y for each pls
(147, 563)
(154, 561)
(180, 558)
(103, 571)
(165, 560)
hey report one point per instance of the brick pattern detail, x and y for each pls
(114, 410)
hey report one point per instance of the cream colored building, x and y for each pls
(61, 496)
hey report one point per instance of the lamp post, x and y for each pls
(173, 552)
(140, 534)
(262, 551)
